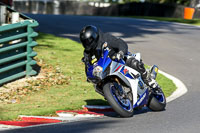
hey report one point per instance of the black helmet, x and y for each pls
(89, 36)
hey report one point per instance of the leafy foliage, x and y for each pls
(48, 77)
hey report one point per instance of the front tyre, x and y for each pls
(120, 103)
(157, 101)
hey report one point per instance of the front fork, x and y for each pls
(121, 91)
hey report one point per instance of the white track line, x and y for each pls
(181, 88)
(97, 107)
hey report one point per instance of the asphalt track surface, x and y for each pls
(173, 47)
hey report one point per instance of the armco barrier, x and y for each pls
(16, 49)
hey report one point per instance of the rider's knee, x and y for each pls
(135, 64)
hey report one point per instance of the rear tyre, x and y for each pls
(123, 106)
(157, 101)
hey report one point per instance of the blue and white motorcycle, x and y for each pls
(123, 86)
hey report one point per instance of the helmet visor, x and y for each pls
(87, 43)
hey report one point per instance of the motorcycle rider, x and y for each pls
(93, 40)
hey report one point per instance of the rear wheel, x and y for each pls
(120, 100)
(157, 100)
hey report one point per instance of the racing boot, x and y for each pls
(149, 78)
(153, 84)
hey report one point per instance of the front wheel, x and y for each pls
(157, 101)
(120, 100)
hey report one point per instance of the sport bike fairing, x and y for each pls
(103, 62)
(132, 79)
(130, 76)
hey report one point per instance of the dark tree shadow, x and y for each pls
(69, 26)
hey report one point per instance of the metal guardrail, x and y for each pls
(16, 49)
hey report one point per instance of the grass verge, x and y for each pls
(178, 20)
(64, 54)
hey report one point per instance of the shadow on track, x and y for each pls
(69, 26)
(137, 111)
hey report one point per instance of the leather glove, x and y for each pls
(120, 55)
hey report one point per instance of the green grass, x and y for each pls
(65, 54)
(178, 20)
